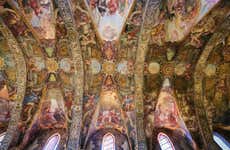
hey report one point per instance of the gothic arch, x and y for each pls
(96, 139)
(164, 141)
(108, 142)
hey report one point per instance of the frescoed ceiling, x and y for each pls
(73, 73)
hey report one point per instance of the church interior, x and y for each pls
(114, 75)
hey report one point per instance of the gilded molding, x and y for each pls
(217, 38)
(74, 46)
(20, 83)
(149, 20)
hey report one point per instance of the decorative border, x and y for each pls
(21, 74)
(74, 45)
(148, 22)
(201, 115)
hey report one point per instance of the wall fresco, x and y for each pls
(41, 16)
(7, 80)
(109, 16)
(167, 113)
(180, 18)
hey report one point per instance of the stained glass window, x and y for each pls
(224, 144)
(108, 142)
(165, 142)
(52, 142)
(2, 137)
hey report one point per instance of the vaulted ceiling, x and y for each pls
(78, 70)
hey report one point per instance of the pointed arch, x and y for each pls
(52, 142)
(2, 135)
(221, 141)
(108, 142)
(165, 142)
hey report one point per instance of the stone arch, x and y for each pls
(108, 142)
(95, 141)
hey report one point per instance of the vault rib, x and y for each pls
(20, 83)
(74, 46)
(149, 20)
(201, 116)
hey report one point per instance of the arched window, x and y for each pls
(108, 142)
(224, 144)
(2, 135)
(52, 142)
(165, 142)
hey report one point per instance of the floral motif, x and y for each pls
(109, 16)
(168, 69)
(108, 67)
(52, 65)
(154, 68)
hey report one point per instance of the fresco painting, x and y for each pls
(51, 116)
(41, 16)
(167, 114)
(185, 17)
(109, 16)
(7, 84)
(108, 113)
